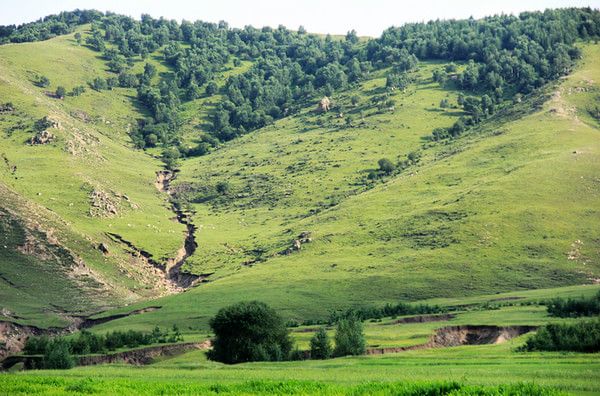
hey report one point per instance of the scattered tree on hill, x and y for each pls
(99, 84)
(43, 82)
(386, 166)
(60, 92)
(249, 331)
(78, 90)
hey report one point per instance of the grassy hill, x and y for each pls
(509, 206)
(88, 168)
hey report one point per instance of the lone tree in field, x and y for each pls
(320, 346)
(249, 331)
(349, 337)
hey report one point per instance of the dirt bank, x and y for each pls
(462, 335)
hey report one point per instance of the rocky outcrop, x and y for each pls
(43, 137)
(304, 237)
(324, 105)
(103, 204)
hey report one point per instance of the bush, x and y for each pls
(249, 331)
(99, 84)
(58, 355)
(43, 82)
(78, 90)
(583, 336)
(320, 346)
(386, 166)
(349, 337)
(574, 307)
(61, 92)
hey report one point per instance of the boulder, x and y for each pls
(324, 105)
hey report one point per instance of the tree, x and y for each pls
(99, 84)
(43, 82)
(58, 355)
(320, 346)
(211, 88)
(349, 337)
(223, 188)
(60, 92)
(78, 90)
(249, 331)
(78, 38)
(386, 166)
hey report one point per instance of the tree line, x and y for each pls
(499, 57)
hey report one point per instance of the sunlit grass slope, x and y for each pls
(513, 205)
(91, 152)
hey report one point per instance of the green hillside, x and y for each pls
(510, 205)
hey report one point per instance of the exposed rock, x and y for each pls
(304, 237)
(324, 105)
(103, 204)
(7, 108)
(42, 137)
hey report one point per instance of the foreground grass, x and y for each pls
(496, 367)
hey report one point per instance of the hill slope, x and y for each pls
(512, 205)
(288, 213)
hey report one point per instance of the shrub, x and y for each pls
(582, 336)
(386, 166)
(249, 331)
(320, 346)
(78, 90)
(99, 84)
(60, 92)
(43, 82)
(349, 337)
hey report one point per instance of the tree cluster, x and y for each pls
(569, 308)
(581, 336)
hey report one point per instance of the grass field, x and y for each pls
(192, 374)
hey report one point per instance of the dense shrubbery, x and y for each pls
(582, 336)
(574, 307)
(249, 331)
(85, 342)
